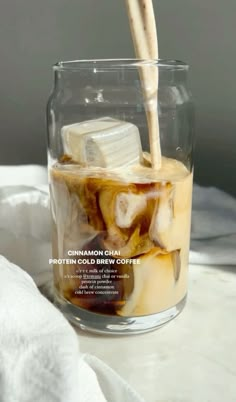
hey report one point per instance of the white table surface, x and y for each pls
(191, 359)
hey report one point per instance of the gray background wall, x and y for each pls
(35, 34)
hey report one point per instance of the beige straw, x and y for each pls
(143, 30)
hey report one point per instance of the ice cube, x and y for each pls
(105, 142)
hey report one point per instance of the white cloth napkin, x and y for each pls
(213, 236)
(29, 175)
(25, 237)
(39, 351)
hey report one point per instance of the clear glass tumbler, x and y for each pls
(120, 228)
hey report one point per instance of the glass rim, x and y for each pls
(75, 65)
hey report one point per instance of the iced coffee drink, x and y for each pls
(120, 227)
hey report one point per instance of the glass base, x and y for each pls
(107, 324)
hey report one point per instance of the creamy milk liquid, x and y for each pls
(121, 237)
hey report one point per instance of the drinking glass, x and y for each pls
(120, 227)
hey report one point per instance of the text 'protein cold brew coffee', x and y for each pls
(121, 227)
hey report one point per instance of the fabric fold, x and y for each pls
(39, 351)
(213, 234)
